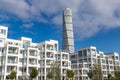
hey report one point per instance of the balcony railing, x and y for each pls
(32, 54)
(32, 63)
(64, 58)
(12, 52)
(49, 56)
(65, 65)
(12, 62)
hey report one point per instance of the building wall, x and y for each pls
(22, 55)
(84, 60)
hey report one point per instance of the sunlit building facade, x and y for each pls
(22, 55)
(83, 61)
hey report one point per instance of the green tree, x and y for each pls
(70, 73)
(33, 73)
(90, 74)
(110, 77)
(117, 72)
(117, 75)
(50, 75)
(95, 73)
(20, 78)
(7, 77)
(54, 72)
(12, 75)
(113, 78)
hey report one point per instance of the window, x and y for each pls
(0, 49)
(26, 43)
(20, 69)
(80, 53)
(3, 31)
(16, 44)
(21, 60)
(85, 53)
(93, 52)
(10, 43)
(1, 40)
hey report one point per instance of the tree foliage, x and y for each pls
(95, 73)
(111, 77)
(12, 75)
(70, 73)
(20, 78)
(117, 73)
(90, 74)
(33, 73)
(50, 75)
(54, 72)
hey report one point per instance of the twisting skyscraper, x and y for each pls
(68, 37)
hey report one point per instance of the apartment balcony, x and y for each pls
(11, 68)
(80, 72)
(65, 58)
(42, 73)
(65, 64)
(42, 54)
(49, 56)
(33, 54)
(58, 57)
(64, 71)
(42, 57)
(12, 52)
(32, 63)
(49, 62)
(42, 64)
(49, 47)
(12, 61)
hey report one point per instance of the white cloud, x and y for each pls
(89, 16)
(27, 25)
(18, 8)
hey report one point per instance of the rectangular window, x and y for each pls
(21, 60)
(3, 32)
(1, 40)
(0, 49)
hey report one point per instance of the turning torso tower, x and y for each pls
(68, 37)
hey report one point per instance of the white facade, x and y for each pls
(21, 55)
(84, 60)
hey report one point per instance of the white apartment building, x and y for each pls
(49, 53)
(84, 60)
(21, 55)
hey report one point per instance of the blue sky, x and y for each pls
(96, 22)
